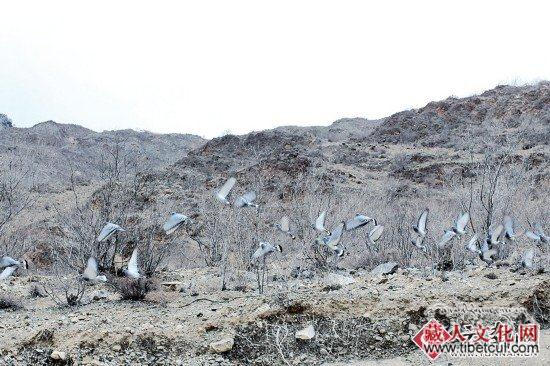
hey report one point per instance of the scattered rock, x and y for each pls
(306, 334)
(58, 356)
(385, 269)
(334, 279)
(222, 345)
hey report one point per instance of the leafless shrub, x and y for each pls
(154, 246)
(133, 289)
(122, 190)
(65, 289)
(15, 196)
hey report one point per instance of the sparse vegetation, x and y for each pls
(133, 289)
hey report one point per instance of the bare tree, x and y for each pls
(15, 197)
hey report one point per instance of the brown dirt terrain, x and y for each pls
(371, 318)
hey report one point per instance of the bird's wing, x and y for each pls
(489, 253)
(261, 251)
(462, 221)
(107, 231)
(173, 222)
(268, 247)
(285, 224)
(90, 272)
(320, 222)
(472, 244)
(338, 251)
(538, 227)
(336, 235)
(240, 202)
(418, 241)
(133, 263)
(376, 232)
(7, 272)
(249, 197)
(445, 239)
(484, 246)
(528, 258)
(508, 226)
(495, 233)
(422, 221)
(258, 253)
(532, 235)
(8, 261)
(355, 223)
(227, 187)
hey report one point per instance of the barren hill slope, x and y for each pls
(52, 150)
(413, 159)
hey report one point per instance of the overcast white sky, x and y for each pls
(205, 67)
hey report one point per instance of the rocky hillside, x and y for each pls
(424, 148)
(421, 156)
(497, 114)
(52, 151)
(5, 122)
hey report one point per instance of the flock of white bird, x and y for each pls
(487, 251)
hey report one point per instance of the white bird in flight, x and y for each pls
(460, 224)
(132, 270)
(509, 233)
(284, 226)
(175, 221)
(90, 272)
(8, 262)
(446, 239)
(246, 200)
(494, 235)
(7, 272)
(108, 230)
(375, 234)
(418, 242)
(320, 223)
(528, 258)
(421, 226)
(473, 245)
(538, 235)
(222, 194)
(358, 221)
(332, 240)
(9, 266)
(265, 248)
